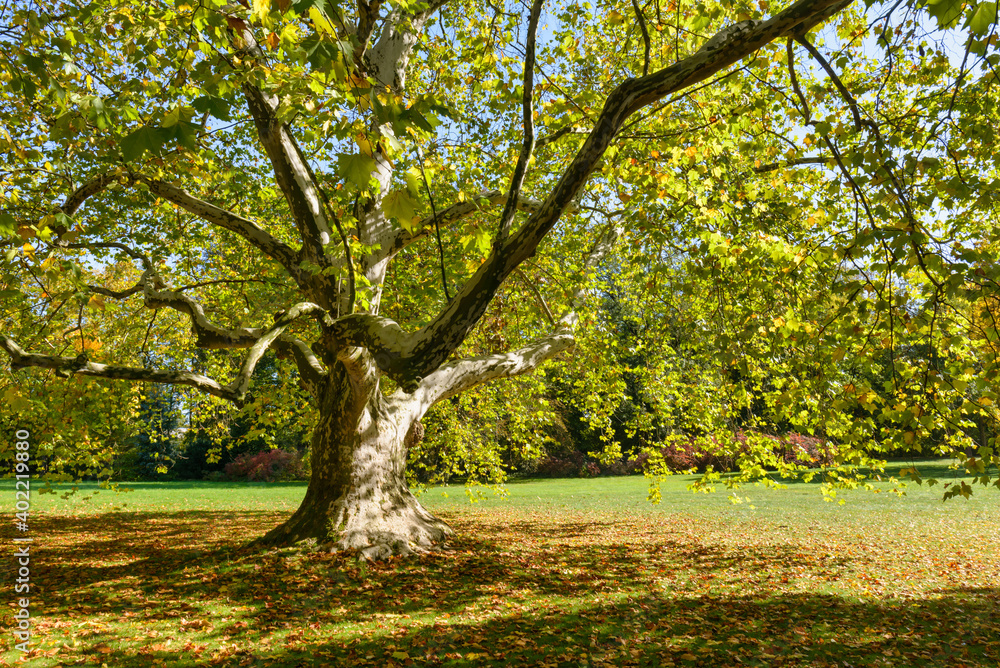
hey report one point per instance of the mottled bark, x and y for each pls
(358, 498)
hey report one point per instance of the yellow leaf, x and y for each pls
(96, 302)
(364, 144)
(321, 22)
(261, 8)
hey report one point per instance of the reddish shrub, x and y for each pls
(562, 467)
(806, 450)
(268, 466)
(793, 448)
(637, 464)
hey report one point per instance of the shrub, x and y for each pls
(637, 464)
(617, 467)
(267, 466)
(806, 450)
(682, 455)
(699, 454)
(562, 466)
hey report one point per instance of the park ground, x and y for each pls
(559, 573)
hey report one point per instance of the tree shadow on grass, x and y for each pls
(489, 600)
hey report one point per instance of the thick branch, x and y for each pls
(367, 17)
(210, 213)
(207, 334)
(388, 58)
(67, 366)
(459, 376)
(528, 144)
(430, 347)
(86, 191)
(116, 294)
(227, 220)
(291, 171)
(311, 369)
(235, 391)
(242, 381)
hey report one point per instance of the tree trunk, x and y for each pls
(358, 498)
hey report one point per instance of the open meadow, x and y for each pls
(560, 573)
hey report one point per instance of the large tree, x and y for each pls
(287, 175)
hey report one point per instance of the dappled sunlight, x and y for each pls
(516, 586)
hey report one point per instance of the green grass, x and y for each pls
(561, 572)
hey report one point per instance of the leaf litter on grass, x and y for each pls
(518, 586)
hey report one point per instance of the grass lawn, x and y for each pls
(560, 573)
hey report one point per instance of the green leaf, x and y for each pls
(8, 226)
(983, 18)
(212, 105)
(140, 141)
(945, 11)
(183, 133)
(399, 204)
(356, 168)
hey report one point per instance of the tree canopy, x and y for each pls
(762, 215)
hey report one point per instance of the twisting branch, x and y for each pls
(227, 220)
(235, 391)
(528, 144)
(844, 93)
(116, 294)
(210, 213)
(538, 295)
(86, 191)
(559, 134)
(147, 264)
(456, 377)
(291, 172)
(311, 369)
(241, 383)
(437, 225)
(67, 366)
(645, 35)
(207, 334)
